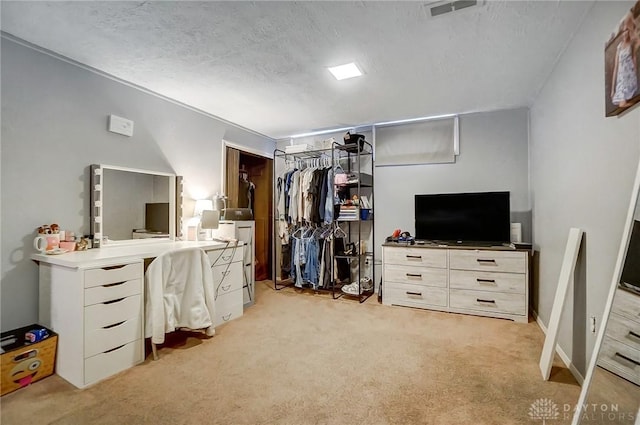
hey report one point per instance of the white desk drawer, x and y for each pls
(416, 257)
(228, 307)
(103, 339)
(494, 261)
(225, 256)
(624, 330)
(101, 315)
(488, 281)
(416, 275)
(414, 295)
(495, 302)
(227, 278)
(620, 359)
(97, 277)
(112, 291)
(627, 305)
(106, 364)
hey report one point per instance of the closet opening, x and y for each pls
(249, 184)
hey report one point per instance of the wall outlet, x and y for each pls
(120, 125)
(592, 323)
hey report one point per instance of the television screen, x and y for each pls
(464, 217)
(156, 218)
(631, 269)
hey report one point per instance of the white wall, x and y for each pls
(54, 121)
(582, 171)
(493, 157)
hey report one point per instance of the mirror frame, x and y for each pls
(96, 206)
(622, 253)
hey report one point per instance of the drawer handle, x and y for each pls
(113, 301)
(226, 257)
(622, 356)
(226, 288)
(114, 349)
(114, 325)
(226, 317)
(485, 301)
(419, 276)
(486, 281)
(417, 294)
(114, 267)
(632, 333)
(415, 257)
(485, 261)
(111, 285)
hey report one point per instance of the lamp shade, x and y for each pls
(202, 205)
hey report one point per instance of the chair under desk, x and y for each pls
(95, 301)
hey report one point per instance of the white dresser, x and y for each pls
(243, 231)
(98, 315)
(485, 282)
(227, 269)
(620, 352)
(94, 301)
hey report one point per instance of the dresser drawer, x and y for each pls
(620, 359)
(97, 277)
(228, 307)
(416, 257)
(112, 291)
(108, 363)
(624, 330)
(495, 261)
(225, 256)
(488, 281)
(103, 339)
(414, 295)
(107, 314)
(494, 302)
(627, 305)
(416, 275)
(227, 278)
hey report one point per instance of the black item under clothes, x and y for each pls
(341, 263)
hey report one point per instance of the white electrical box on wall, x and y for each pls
(120, 125)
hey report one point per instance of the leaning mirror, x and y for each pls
(132, 206)
(611, 390)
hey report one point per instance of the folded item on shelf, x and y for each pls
(296, 148)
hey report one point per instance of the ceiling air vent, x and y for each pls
(453, 6)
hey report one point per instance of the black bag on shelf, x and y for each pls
(351, 140)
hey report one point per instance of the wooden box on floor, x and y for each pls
(23, 362)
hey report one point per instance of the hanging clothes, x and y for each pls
(246, 191)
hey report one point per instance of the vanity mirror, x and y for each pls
(132, 206)
(611, 390)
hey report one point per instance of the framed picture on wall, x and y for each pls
(622, 64)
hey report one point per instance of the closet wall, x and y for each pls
(54, 124)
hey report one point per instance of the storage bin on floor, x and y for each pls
(24, 362)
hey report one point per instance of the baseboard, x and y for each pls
(563, 356)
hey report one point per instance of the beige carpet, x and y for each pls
(300, 358)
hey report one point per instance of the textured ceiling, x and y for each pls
(262, 65)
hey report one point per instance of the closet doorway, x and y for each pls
(245, 170)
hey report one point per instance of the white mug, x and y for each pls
(45, 243)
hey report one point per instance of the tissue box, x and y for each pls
(24, 362)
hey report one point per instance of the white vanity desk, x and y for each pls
(94, 300)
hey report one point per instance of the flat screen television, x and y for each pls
(630, 277)
(156, 217)
(464, 218)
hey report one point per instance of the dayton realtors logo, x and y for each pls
(545, 409)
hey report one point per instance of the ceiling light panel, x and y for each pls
(342, 72)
